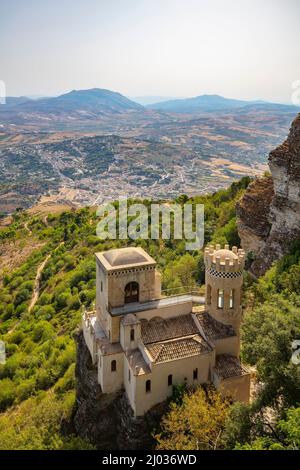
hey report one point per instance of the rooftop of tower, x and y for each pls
(218, 256)
(124, 258)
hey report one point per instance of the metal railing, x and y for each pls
(193, 296)
(182, 290)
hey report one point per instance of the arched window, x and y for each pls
(231, 298)
(195, 374)
(170, 380)
(101, 286)
(131, 292)
(148, 386)
(132, 334)
(208, 294)
(129, 375)
(220, 298)
(113, 366)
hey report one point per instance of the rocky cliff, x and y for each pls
(107, 419)
(269, 212)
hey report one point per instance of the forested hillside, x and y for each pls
(47, 275)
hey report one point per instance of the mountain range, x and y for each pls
(211, 103)
(93, 100)
(99, 102)
(87, 143)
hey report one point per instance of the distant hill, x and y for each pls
(147, 100)
(16, 100)
(74, 110)
(99, 110)
(95, 100)
(212, 103)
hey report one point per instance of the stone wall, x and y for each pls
(269, 212)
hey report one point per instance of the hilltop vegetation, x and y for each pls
(37, 381)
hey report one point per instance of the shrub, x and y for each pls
(25, 389)
(16, 337)
(62, 300)
(67, 382)
(43, 331)
(7, 393)
(22, 296)
(46, 312)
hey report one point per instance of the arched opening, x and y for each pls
(170, 380)
(208, 294)
(148, 386)
(132, 334)
(220, 298)
(195, 374)
(231, 298)
(131, 292)
(113, 366)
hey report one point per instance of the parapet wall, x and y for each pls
(224, 259)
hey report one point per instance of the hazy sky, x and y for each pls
(238, 48)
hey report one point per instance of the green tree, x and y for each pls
(195, 424)
(267, 335)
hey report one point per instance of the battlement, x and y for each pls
(224, 259)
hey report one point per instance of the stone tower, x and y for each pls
(223, 284)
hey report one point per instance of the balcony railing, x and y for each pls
(164, 301)
(182, 290)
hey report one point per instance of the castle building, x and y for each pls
(144, 342)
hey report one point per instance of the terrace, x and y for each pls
(192, 296)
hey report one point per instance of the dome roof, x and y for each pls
(124, 256)
(223, 253)
(130, 319)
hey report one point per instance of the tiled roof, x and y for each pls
(229, 366)
(161, 330)
(138, 363)
(178, 349)
(214, 329)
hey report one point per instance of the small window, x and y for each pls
(131, 292)
(195, 374)
(132, 334)
(148, 386)
(208, 295)
(170, 380)
(231, 298)
(129, 375)
(220, 298)
(113, 366)
(101, 286)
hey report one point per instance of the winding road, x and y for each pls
(27, 228)
(36, 290)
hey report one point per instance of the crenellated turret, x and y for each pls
(224, 279)
(224, 259)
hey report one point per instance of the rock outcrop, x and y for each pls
(269, 212)
(107, 420)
